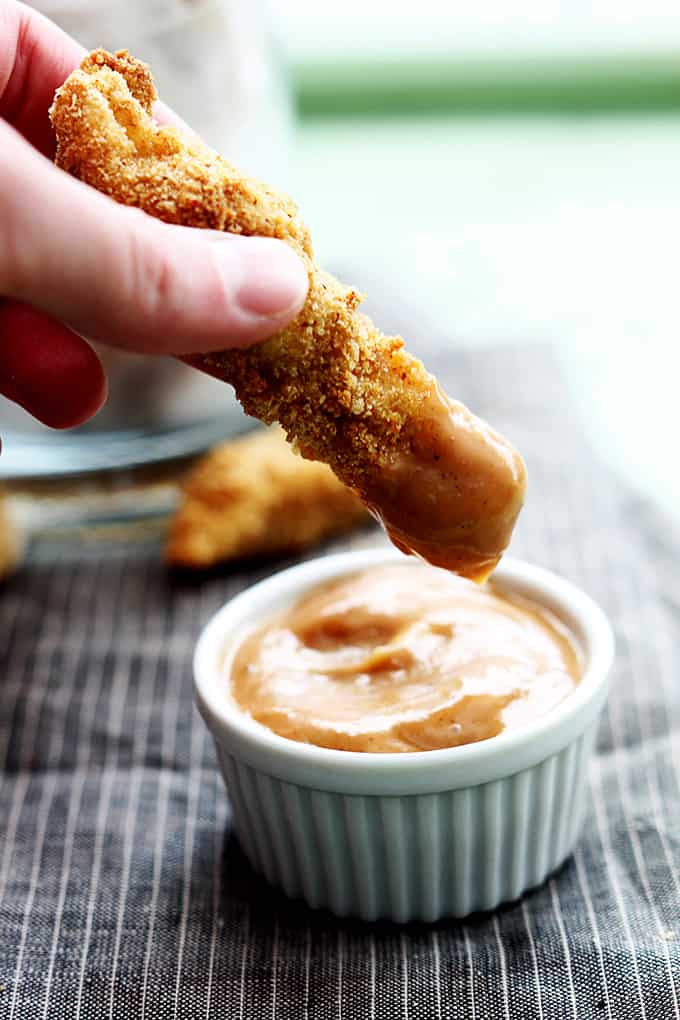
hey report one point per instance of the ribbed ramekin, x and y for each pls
(415, 836)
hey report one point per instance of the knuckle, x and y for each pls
(152, 278)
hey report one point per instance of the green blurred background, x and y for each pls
(513, 170)
(510, 169)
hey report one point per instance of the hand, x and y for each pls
(74, 263)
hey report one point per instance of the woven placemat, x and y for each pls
(122, 890)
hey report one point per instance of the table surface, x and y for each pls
(122, 889)
(556, 230)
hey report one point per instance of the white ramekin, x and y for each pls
(416, 836)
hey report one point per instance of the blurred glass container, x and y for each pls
(216, 63)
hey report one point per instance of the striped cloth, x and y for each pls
(123, 893)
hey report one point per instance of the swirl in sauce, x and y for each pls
(403, 658)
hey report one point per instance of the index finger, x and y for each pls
(35, 59)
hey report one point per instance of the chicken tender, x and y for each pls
(11, 544)
(445, 485)
(253, 496)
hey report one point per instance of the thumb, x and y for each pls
(114, 274)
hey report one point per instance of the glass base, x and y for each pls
(60, 454)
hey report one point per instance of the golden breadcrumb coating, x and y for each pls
(253, 496)
(344, 392)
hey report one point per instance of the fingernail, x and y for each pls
(273, 280)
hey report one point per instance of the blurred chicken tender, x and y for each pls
(254, 497)
(10, 542)
(444, 484)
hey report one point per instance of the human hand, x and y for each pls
(73, 263)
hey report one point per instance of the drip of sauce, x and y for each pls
(403, 658)
(453, 493)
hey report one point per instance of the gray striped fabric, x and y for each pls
(123, 893)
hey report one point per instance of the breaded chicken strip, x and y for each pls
(445, 485)
(253, 496)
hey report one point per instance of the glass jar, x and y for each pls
(216, 63)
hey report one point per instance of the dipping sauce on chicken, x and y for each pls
(453, 491)
(403, 658)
